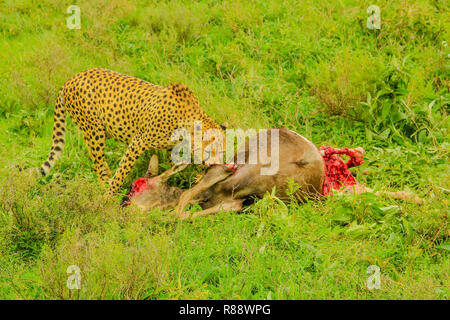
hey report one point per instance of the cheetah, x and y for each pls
(105, 103)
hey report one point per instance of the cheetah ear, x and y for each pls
(153, 166)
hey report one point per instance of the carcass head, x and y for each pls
(152, 189)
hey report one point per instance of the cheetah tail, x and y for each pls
(59, 132)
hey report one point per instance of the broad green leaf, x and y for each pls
(342, 215)
(445, 246)
(390, 209)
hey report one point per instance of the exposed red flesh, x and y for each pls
(139, 185)
(337, 174)
(136, 187)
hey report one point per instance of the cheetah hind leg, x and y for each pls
(95, 142)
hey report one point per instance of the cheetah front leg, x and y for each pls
(135, 149)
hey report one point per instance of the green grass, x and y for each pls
(312, 66)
